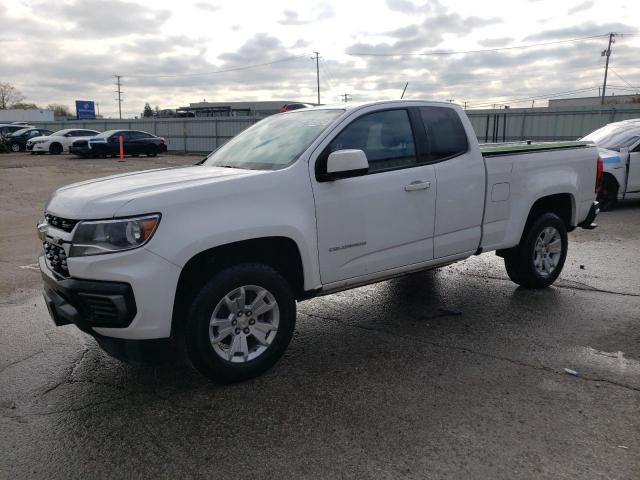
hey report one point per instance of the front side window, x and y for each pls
(385, 137)
(446, 135)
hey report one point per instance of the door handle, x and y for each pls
(417, 185)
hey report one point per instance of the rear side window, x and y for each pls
(385, 137)
(445, 133)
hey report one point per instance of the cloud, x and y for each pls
(580, 7)
(209, 7)
(322, 11)
(495, 42)
(291, 18)
(108, 18)
(583, 30)
(410, 8)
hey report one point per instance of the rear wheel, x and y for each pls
(538, 260)
(240, 323)
(608, 193)
(55, 149)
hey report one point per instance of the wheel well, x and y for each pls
(54, 144)
(611, 177)
(561, 204)
(280, 253)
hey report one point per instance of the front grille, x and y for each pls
(56, 258)
(61, 223)
(101, 309)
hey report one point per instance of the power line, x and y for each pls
(534, 97)
(234, 69)
(617, 75)
(445, 52)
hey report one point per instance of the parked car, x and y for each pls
(619, 145)
(287, 107)
(107, 143)
(17, 140)
(7, 128)
(59, 141)
(213, 257)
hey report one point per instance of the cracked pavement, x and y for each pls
(454, 373)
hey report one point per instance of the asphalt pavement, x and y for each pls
(453, 373)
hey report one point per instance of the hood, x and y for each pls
(41, 137)
(103, 197)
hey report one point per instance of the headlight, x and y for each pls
(35, 142)
(108, 236)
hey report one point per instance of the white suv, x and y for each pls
(59, 141)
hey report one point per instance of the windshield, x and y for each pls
(614, 137)
(60, 133)
(106, 134)
(274, 142)
(19, 132)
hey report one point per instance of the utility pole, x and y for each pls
(119, 92)
(606, 53)
(533, 103)
(345, 97)
(450, 100)
(317, 58)
(465, 104)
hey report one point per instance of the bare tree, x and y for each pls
(9, 95)
(59, 110)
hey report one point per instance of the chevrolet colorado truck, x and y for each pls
(210, 259)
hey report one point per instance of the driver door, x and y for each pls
(383, 219)
(633, 179)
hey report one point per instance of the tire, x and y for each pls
(55, 149)
(232, 359)
(608, 193)
(526, 263)
(15, 147)
(152, 151)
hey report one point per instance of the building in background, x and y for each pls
(26, 115)
(234, 109)
(594, 101)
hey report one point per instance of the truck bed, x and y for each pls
(493, 149)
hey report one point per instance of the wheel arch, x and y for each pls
(280, 253)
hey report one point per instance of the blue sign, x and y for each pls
(85, 109)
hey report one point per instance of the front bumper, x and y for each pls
(84, 150)
(591, 216)
(143, 314)
(89, 303)
(40, 147)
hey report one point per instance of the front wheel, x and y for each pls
(152, 151)
(15, 147)
(538, 260)
(240, 323)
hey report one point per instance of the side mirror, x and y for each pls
(346, 163)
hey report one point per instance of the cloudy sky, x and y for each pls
(172, 53)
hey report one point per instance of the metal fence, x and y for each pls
(559, 123)
(181, 134)
(504, 125)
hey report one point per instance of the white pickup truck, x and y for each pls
(212, 258)
(619, 145)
